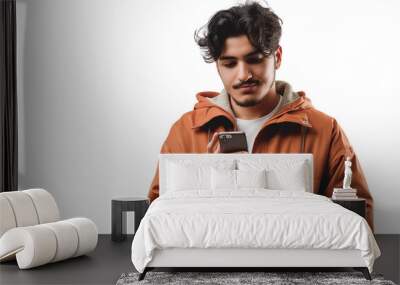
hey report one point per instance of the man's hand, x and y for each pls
(214, 147)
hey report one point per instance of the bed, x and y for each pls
(247, 210)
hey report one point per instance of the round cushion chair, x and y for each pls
(32, 233)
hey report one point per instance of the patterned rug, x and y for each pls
(243, 278)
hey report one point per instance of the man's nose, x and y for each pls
(244, 72)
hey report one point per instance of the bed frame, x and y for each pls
(242, 258)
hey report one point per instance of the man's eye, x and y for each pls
(229, 64)
(255, 60)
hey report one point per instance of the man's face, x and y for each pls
(247, 75)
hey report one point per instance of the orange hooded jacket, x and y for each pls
(296, 128)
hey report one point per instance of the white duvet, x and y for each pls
(251, 218)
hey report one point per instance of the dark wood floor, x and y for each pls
(111, 259)
(102, 266)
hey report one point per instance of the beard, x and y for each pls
(254, 99)
(248, 102)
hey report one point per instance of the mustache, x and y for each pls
(251, 81)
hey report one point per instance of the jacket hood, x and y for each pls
(213, 104)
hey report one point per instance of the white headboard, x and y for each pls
(270, 158)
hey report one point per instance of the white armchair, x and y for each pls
(31, 230)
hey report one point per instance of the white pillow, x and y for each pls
(280, 174)
(236, 179)
(293, 179)
(223, 179)
(251, 178)
(181, 177)
(188, 175)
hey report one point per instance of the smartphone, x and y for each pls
(232, 141)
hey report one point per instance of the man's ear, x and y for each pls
(278, 57)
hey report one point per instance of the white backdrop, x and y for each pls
(100, 83)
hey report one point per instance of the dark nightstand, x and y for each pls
(119, 207)
(356, 205)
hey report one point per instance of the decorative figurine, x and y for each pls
(347, 174)
(345, 193)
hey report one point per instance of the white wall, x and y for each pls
(101, 82)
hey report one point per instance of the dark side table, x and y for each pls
(119, 207)
(356, 205)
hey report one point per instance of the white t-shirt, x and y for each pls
(252, 127)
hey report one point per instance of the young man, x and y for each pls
(244, 43)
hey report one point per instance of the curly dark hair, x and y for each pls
(261, 25)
